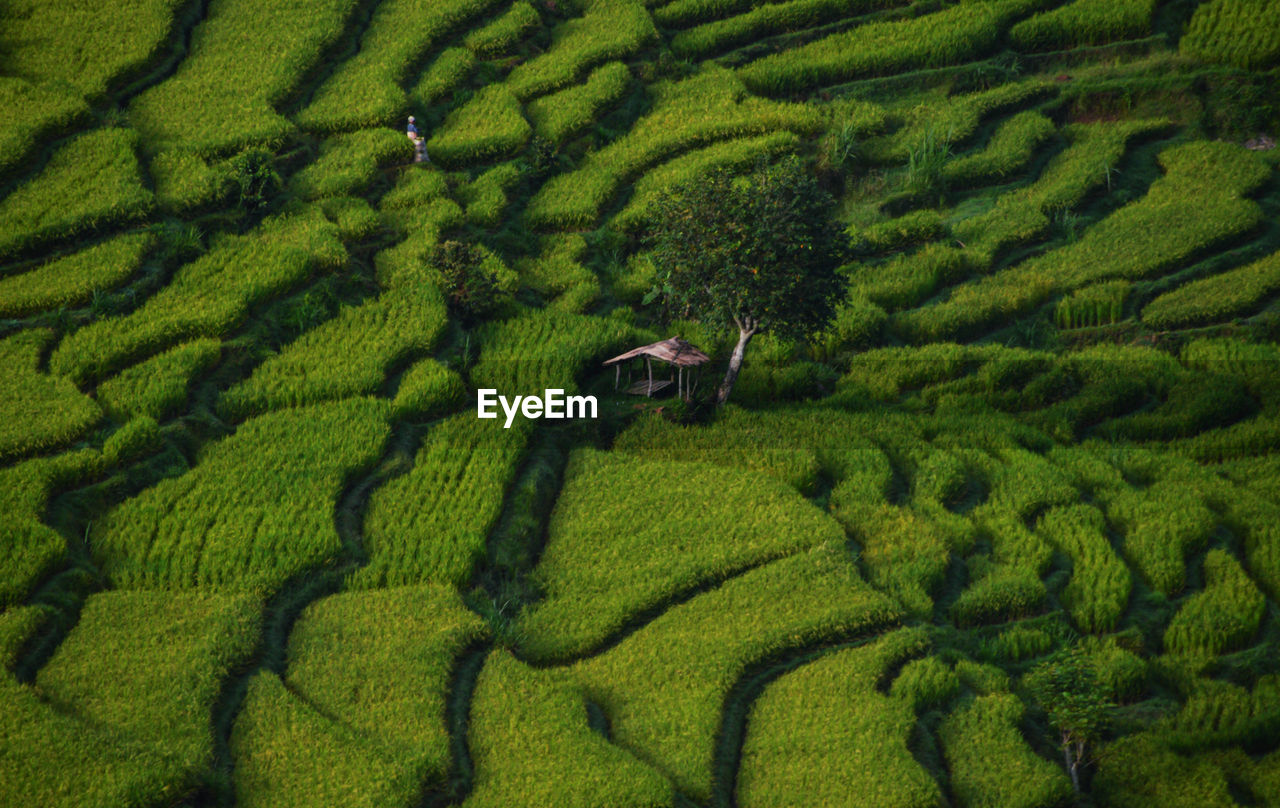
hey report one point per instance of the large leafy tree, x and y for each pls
(757, 253)
(1066, 685)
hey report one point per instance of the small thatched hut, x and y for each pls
(675, 352)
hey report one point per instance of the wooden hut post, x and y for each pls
(617, 375)
(680, 381)
(648, 363)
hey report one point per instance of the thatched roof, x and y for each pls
(674, 351)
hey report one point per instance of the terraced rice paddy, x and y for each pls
(256, 548)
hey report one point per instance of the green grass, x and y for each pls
(1217, 298)
(595, 579)
(1100, 584)
(532, 745)
(1242, 33)
(91, 47)
(430, 525)
(207, 297)
(934, 40)
(34, 549)
(823, 735)
(678, 669)
(765, 20)
(348, 163)
(501, 36)
(255, 510)
(246, 58)
(1221, 617)
(38, 412)
(347, 356)
(383, 660)
(158, 388)
(150, 665)
(54, 204)
(30, 113)
(73, 280)
(1197, 205)
(570, 112)
(1084, 22)
(708, 107)
(990, 761)
(287, 753)
(607, 30)
(490, 126)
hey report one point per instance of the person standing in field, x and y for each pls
(412, 131)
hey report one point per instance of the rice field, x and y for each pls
(259, 550)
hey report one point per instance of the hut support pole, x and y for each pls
(648, 363)
(617, 375)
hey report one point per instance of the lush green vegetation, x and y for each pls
(1005, 531)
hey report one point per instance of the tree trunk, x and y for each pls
(1073, 763)
(746, 330)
